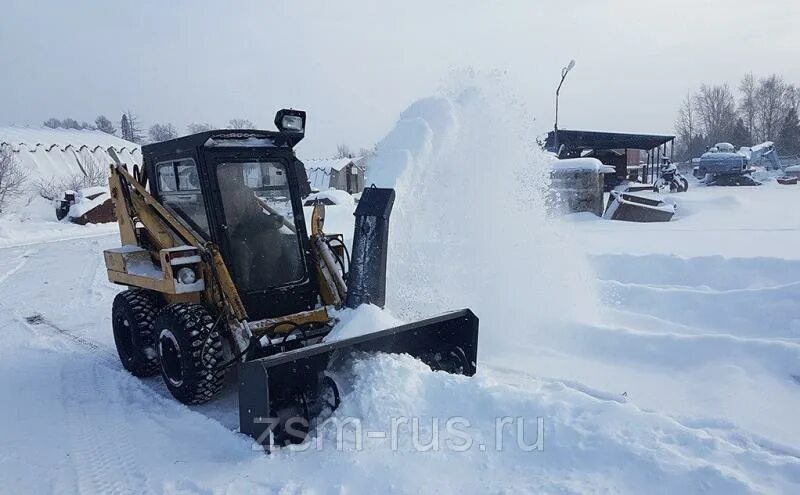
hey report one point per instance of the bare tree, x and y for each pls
(12, 176)
(365, 152)
(748, 105)
(241, 124)
(716, 111)
(343, 151)
(91, 174)
(105, 125)
(686, 126)
(52, 123)
(68, 123)
(196, 127)
(773, 100)
(162, 132)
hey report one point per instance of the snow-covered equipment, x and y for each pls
(669, 177)
(331, 197)
(222, 272)
(787, 181)
(722, 165)
(576, 185)
(632, 208)
(89, 205)
(792, 171)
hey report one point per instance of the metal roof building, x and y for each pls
(61, 153)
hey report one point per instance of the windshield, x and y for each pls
(265, 247)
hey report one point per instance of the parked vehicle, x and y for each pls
(669, 177)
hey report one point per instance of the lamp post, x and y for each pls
(564, 72)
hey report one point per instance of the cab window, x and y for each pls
(179, 187)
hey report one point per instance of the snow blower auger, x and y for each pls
(221, 272)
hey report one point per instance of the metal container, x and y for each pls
(576, 185)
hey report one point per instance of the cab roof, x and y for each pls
(222, 138)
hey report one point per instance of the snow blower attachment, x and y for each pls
(222, 272)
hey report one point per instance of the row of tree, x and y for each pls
(131, 129)
(764, 109)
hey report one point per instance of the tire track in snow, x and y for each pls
(23, 260)
(103, 354)
(99, 436)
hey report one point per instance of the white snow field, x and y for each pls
(623, 358)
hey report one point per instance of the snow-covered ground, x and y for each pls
(623, 358)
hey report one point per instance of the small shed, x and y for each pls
(339, 173)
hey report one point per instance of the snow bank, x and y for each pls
(34, 220)
(495, 433)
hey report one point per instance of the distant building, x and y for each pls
(346, 174)
(62, 153)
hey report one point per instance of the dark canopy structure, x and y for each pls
(572, 143)
(581, 140)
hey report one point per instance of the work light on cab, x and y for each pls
(288, 120)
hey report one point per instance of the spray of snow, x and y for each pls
(469, 227)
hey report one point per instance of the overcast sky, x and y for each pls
(354, 65)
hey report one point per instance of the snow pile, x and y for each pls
(365, 319)
(32, 220)
(88, 199)
(485, 434)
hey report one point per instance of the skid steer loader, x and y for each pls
(221, 272)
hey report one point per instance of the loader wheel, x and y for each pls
(190, 352)
(451, 361)
(132, 317)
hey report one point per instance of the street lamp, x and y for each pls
(564, 72)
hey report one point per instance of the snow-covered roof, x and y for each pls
(47, 139)
(55, 154)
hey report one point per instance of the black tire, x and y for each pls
(190, 352)
(674, 186)
(132, 317)
(684, 184)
